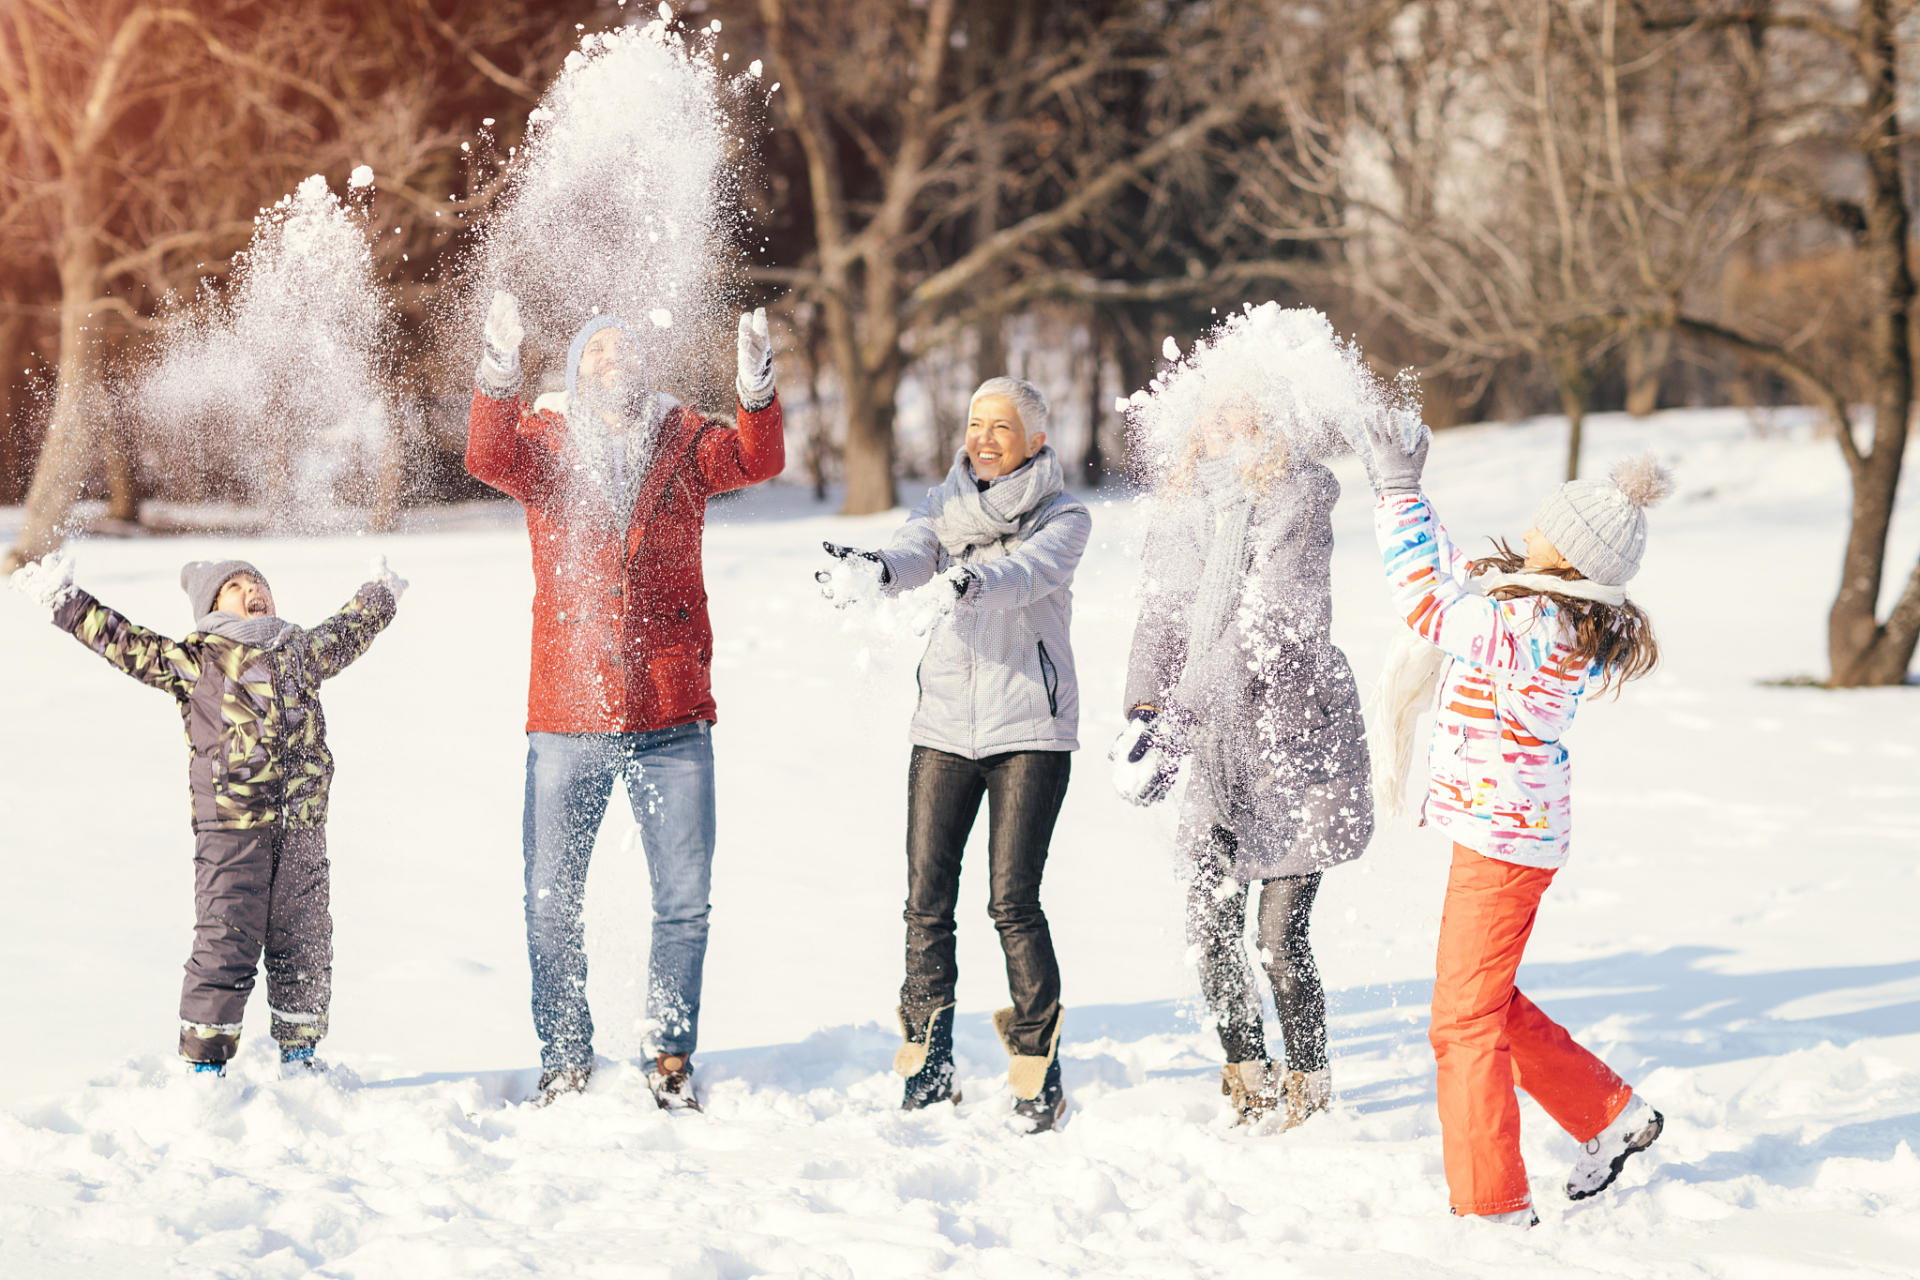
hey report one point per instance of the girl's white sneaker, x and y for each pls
(1600, 1162)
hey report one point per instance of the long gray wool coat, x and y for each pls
(1280, 752)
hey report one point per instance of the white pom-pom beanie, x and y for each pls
(1600, 526)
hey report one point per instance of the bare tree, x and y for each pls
(965, 186)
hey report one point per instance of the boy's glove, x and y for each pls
(499, 371)
(755, 380)
(1392, 469)
(1144, 760)
(49, 582)
(387, 578)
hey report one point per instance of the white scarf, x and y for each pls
(964, 516)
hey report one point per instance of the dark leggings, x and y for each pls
(1216, 919)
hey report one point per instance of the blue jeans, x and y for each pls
(669, 774)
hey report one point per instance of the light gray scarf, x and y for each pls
(962, 516)
(261, 633)
(1231, 505)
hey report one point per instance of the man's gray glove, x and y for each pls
(1391, 468)
(48, 582)
(499, 372)
(755, 381)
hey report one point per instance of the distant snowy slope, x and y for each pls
(1735, 933)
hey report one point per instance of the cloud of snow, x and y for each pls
(1285, 368)
(278, 382)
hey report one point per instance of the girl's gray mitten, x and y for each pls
(1393, 469)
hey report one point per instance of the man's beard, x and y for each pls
(627, 402)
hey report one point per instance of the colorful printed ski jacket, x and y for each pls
(257, 739)
(1500, 779)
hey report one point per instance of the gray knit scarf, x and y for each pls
(261, 633)
(962, 516)
(1230, 504)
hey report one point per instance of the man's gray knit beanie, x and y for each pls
(202, 580)
(1600, 526)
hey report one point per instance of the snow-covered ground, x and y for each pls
(1735, 933)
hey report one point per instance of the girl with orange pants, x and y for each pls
(1513, 643)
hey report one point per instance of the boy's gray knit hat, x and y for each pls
(1600, 526)
(202, 580)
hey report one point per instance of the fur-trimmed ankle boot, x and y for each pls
(1033, 1079)
(1306, 1092)
(925, 1058)
(1254, 1088)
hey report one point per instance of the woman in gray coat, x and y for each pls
(1233, 665)
(998, 714)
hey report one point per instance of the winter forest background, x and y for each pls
(1539, 205)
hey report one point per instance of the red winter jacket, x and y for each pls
(621, 641)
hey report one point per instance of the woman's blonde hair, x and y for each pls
(1263, 466)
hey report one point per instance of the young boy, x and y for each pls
(247, 683)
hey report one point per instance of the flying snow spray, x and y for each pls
(623, 201)
(271, 393)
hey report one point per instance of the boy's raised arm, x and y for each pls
(147, 656)
(335, 643)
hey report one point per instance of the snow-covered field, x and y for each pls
(1736, 933)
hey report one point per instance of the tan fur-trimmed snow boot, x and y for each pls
(927, 1061)
(1034, 1079)
(1254, 1088)
(1306, 1092)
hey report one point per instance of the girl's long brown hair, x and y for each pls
(1617, 637)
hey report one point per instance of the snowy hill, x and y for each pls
(1735, 934)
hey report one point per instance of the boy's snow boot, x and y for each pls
(1634, 1129)
(209, 1045)
(297, 1062)
(205, 1068)
(1254, 1088)
(926, 1060)
(671, 1081)
(1307, 1092)
(556, 1081)
(1034, 1080)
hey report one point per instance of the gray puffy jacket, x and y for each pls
(998, 673)
(1282, 753)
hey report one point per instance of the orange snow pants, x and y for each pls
(1488, 1038)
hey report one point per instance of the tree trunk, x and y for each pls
(392, 479)
(1859, 650)
(1092, 462)
(1573, 402)
(868, 455)
(1647, 353)
(123, 479)
(12, 464)
(66, 455)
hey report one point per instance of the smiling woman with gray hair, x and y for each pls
(998, 714)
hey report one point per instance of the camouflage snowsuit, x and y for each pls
(259, 771)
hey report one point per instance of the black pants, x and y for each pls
(261, 890)
(1216, 918)
(1023, 790)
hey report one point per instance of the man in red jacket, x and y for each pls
(615, 479)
